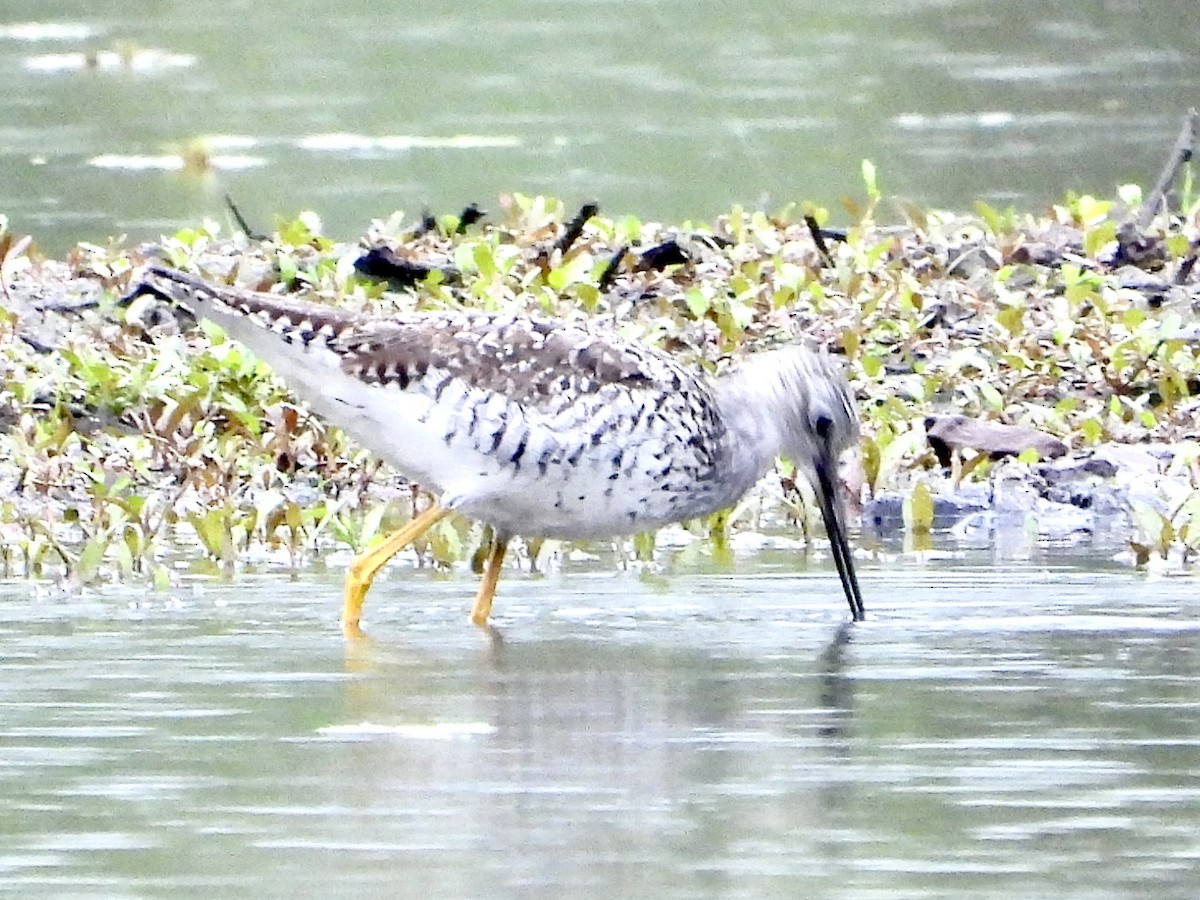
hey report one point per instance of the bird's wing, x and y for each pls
(542, 365)
(538, 364)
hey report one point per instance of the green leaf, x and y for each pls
(741, 313)
(464, 257)
(213, 529)
(445, 543)
(870, 462)
(288, 270)
(162, 577)
(870, 180)
(485, 260)
(1097, 238)
(1130, 194)
(1178, 245)
(575, 269)
(370, 524)
(629, 229)
(1153, 526)
(918, 508)
(996, 222)
(124, 557)
(90, 558)
(191, 238)
(1091, 210)
(643, 545)
(1012, 319)
(851, 344)
(991, 396)
(299, 231)
(697, 301)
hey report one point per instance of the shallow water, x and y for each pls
(660, 108)
(999, 731)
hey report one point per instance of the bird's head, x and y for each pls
(820, 423)
(819, 417)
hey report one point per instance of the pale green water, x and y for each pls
(668, 109)
(1012, 731)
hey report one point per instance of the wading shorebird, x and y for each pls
(541, 428)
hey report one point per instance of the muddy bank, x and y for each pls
(1037, 370)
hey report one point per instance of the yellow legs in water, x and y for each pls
(363, 570)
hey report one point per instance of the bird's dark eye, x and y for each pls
(823, 426)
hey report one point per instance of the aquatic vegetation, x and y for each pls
(126, 434)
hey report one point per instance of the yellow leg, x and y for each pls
(487, 587)
(364, 569)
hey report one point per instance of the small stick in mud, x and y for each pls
(241, 221)
(575, 227)
(1181, 153)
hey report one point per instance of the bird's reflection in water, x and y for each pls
(634, 744)
(837, 692)
(836, 793)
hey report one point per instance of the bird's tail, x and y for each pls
(256, 319)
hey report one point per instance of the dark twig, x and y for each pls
(1181, 153)
(713, 241)
(610, 271)
(36, 344)
(668, 253)
(157, 313)
(575, 227)
(142, 289)
(427, 224)
(818, 239)
(469, 217)
(1184, 272)
(382, 264)
(66, 306)
(241, 221)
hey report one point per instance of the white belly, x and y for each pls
(529, 474)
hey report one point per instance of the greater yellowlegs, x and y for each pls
(541, 428)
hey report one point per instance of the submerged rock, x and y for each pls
(1091, 495)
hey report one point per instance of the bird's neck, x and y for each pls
(746, 399)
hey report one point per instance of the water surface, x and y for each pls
(1020, 730)
(662, 108)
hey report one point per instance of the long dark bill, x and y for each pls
(831, 513)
